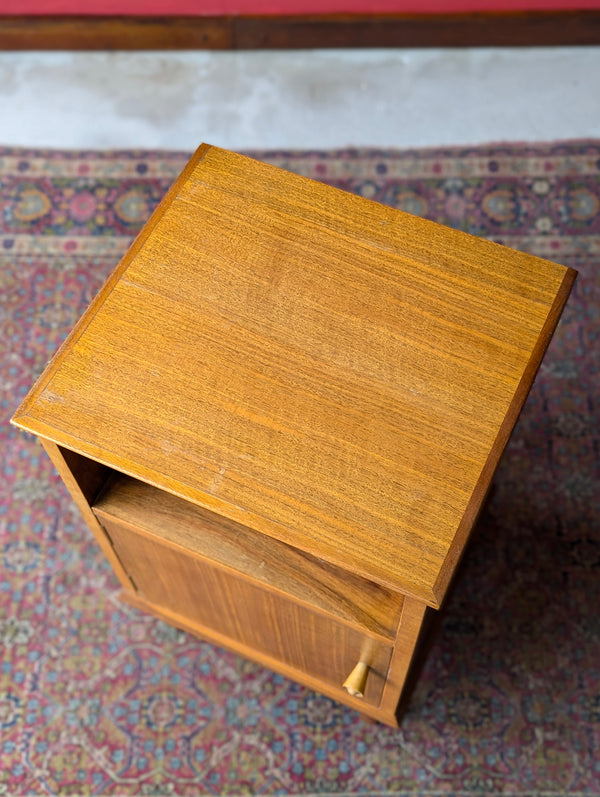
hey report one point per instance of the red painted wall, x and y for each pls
(280, 7)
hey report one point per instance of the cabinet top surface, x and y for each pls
(332, 372)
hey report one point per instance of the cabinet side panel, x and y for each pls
(83, 478)
(261, 620)
(413, 613)
(90, 475)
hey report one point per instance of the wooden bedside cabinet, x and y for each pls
(281, 414)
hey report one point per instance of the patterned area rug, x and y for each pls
(96, 698)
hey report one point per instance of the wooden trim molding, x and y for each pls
(422, 30)
(533, 28)
(115, 33)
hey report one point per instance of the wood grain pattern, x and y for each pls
(79, 328)
(206, 633)
(83, 478)
(260, 620)
(115, 33)
(405, 649)
(510, 29)
(333, 373)
(286, 570)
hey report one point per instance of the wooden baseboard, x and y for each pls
(115, 33)
(424, 30)
(536, 28)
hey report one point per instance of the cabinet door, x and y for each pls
(264, 621)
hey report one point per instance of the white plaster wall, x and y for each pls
(322, 98)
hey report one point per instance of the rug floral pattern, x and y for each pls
(98, 699)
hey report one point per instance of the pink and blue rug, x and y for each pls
(98, 699)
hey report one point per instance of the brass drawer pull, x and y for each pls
(355, 683)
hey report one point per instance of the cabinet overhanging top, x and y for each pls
(327, 370)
